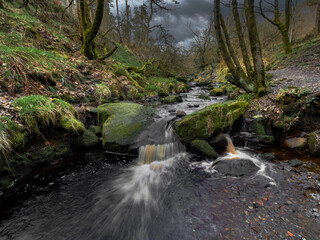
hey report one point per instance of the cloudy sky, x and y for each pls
(188, 14)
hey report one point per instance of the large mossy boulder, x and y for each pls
(202, 148)
(208, 121)
(122, 123)
(314, 144)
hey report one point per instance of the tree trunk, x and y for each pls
(236, 77)
(229, 46)
(118, 21)
(89, 30)
(147, 32)
(259, 86)
(1, 5)
(127, 24)
(283, 27)
(317, 25)
(286, 41)
(242, 43)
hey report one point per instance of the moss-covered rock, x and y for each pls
(201, 147)
(218, 92)
(97, 130)
(88, 139)
(314, 144)
(206, 122)
(122, 123)
(171, 99)
(259, 125)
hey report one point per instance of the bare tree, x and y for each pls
(259, 79)
(283, 27)
(240, 34)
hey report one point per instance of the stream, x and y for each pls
(170, 194)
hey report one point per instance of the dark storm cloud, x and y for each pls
(188, 14)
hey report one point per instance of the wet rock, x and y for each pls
(219, 142)
(171, 110)
(96, 130)
(259, 125)
(202, 148)
(180, 114)
(269, 157)
(88, 139)
(294, 143)
(206, 122)
(122, 124)
(171, 99)
(314, 144)
(236, 168)
(295, 163)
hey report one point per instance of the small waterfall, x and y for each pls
(230, 147)
(168, 145)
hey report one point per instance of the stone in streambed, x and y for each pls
(122, 124)
(180, 114)
(208, 121)
(269, 157)
(314, 144)
(202, 148)
(235, 168)
(219, 142)
(259, 125)
(88, 139)
(96, 130)
(295, 143)
(295, 163)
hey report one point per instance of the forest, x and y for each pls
(160, 119)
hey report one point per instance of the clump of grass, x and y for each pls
(154, 85)
(11, 137)
(102, 93)
(123, 55)
(38, 111)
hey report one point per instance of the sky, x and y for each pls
(187, 14)
(183, 16)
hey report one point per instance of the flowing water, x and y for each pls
(167, 193)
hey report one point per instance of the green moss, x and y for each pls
(204, 123)
(217, 92)
(40, 111)
(314, 144)
(203, 148)
(125, 56)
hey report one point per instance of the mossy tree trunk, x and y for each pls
(283, 27)
(238, 78)
(1, 5)
(90, 29)
(255, 45)
(237, 21)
